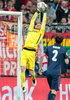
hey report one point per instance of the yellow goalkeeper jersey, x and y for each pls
(34, 36)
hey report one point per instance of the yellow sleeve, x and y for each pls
(42, 30)
(33, 21)
(43, 22)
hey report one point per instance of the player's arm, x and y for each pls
(33, 21)
(42, 30)
(43, 22)
(41, 60)
(40, 63)
(44, 19)
(66, 58)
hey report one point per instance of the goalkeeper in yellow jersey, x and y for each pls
(27, 60)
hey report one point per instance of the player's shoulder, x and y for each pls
(63, 49)
(49, 47)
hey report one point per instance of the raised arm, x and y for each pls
(33, 21)
(42, 30)
(43, 22)
(66, 57)
(40, 63)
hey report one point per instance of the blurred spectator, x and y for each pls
(23, 7)
(9, 8)
(29, 5)
(34, 7)
(28, 8)
(51, 12)
(1, 6)
(13, 3)
(1, 9)
(62, 11)
(68, 69)
(24, 19)
(55, 4)
(23, 12)
(5, 3)
(30, 17)
(64, 20)
(53, 30)
(68, 2)
(16, 3)
(68, 17)
(34, 1)
(48, 19)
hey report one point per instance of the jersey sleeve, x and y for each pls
(43, 22)
(33, 21)
(42, 30)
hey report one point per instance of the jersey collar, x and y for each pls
(57, 44)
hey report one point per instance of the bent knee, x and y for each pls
(53, 91)
(23, 68)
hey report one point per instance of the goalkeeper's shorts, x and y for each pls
(28, 59)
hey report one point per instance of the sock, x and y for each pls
(22, 75)
(53, 96)
(33, 77)
(49, 96)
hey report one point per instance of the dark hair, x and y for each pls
(59, 38)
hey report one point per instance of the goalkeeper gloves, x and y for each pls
(39, 9)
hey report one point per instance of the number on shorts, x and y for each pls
(54, 58)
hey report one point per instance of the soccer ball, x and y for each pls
(41, 6)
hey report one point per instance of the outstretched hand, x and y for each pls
(40, 71)
(41, 7)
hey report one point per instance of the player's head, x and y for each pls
(38, 26)
(59, 39)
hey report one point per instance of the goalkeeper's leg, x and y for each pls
(33, 74)
(22, 75)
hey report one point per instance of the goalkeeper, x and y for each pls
(28, 53)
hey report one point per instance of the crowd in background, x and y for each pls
(58, 11)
